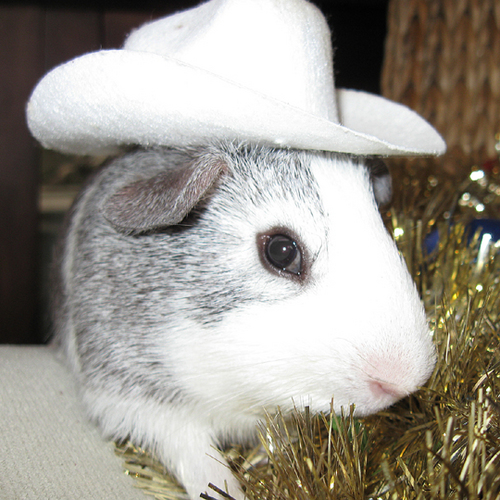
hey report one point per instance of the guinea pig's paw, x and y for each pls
(229, 487)
(220, 477)
(196, 462)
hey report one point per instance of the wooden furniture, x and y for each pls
(33, 39)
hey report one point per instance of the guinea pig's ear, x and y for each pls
(162, 200)
(381, 180)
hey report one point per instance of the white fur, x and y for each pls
(344, 331)
(353, 330)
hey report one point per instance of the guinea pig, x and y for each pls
(199, 287)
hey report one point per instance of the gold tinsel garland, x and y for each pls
(440, 443)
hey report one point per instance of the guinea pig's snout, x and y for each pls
(388, 378)
(384, 389)
(381, 394)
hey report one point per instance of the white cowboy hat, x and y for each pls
(255, 70)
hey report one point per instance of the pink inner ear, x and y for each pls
(162, 200)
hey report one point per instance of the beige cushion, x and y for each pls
(48, 450)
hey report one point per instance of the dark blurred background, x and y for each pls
(36, 187)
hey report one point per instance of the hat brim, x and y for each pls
(103, 100)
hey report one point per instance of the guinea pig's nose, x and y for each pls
(380, 389)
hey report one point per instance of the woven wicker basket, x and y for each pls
(442, 59)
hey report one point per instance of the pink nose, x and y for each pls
(383, 389)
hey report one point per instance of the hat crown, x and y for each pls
(279, 48)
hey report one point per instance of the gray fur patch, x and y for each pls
(122, 294)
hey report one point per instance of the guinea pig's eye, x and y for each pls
(283, 253)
